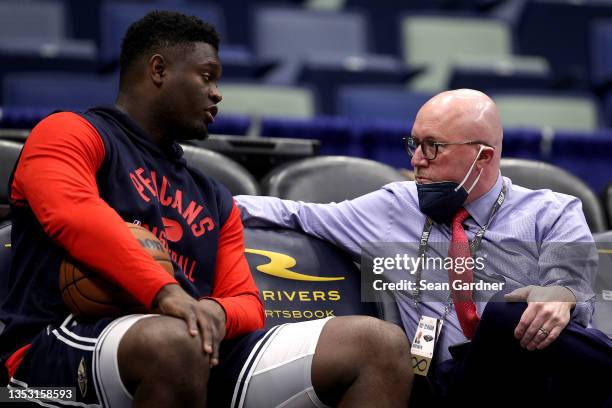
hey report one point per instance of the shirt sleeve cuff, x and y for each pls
(149, 298)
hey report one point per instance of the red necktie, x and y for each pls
(462, 299)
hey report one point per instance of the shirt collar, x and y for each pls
(480, 209)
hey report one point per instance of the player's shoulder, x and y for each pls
(63, 122)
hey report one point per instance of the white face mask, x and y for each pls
(467, 175)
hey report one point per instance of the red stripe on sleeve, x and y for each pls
(56, 177)
(235, 288)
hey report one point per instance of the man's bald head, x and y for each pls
(457, 116)
(466, 114)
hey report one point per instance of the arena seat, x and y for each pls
(566, 47)
(289, 34)
(559, 111)
(380, 102)
(33, 19)
(9, 152)
(116, 17)
(59, 90)
(268, 100)
(539, 175)
(223, 169)
(513, 73)
(327, 72)
(301, 277)
(601, 52)
(328, 178)
(259, 154)
(36, 35)
(602, 318)
(425, 41)
(584, 154)
(337, 135)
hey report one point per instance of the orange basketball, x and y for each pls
(88, 294)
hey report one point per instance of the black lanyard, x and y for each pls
(474, 244)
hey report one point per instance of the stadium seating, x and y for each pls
(559, 111)
(33, 19)
(229, 173)
(336, 134)
(586, 155)
(260, 154)
(290, 34)
(36, 35)
(328, 72)
(59, 90)
(337, 44)
(489, 76)
(384, 18)
(601, 53)
(327, 179)
(301, 277)
(539, 175)
(323, 49)
(258, 100)
(116, 17)
(283, 32)
(426, 41)
(567, 46)
(380, 102)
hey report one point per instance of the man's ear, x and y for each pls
(486, 156)
(157, 69)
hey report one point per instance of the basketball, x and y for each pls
(88, 294)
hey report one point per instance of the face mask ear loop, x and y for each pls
(475, 181)
(470, 172)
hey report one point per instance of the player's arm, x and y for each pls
(234, 287)
(56, 178)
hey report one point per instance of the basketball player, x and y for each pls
(82, 176)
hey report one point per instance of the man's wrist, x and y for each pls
(165, 291)
(571, 298)
(219, 308)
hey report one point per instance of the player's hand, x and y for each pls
(205, 317)
(548, 312)
(217, 313)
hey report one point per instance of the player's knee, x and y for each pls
(164, 343)
(389, 339)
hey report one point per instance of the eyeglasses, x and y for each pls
(430, 147)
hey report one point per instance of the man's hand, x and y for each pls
(548, 312)
(205, 317)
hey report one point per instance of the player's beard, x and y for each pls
(178, 128)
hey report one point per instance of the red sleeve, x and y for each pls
(234, 287)
(56, 177)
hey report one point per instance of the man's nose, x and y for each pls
(215, 94)
(418, 158)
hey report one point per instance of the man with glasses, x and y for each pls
(536, 346)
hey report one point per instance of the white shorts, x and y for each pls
(282, 376)
(277, 373)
